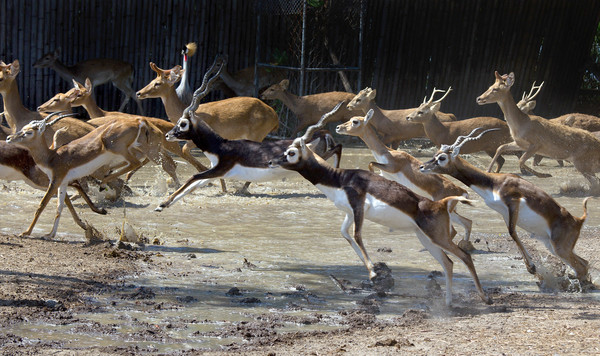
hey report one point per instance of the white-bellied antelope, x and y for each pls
(403, 168)
(519, 202)
(365, 195)
(120, 145)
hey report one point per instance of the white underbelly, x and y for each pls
(251, 174)
(528, 220)
(106, 159)
(375, 210)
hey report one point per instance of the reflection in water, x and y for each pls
(288, 233)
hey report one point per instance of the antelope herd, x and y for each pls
(49, 149)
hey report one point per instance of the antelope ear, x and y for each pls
(42, 127)
(369, 116)
(76, 85)
(285, 84)
(303, 147)
(173, 75)
(15, 68)
(372, 93)
(88, 85)
(531, 105)
(510, 80)
(455, 152)
(435, 107)
(498, 76)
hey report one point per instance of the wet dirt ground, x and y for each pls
(270, 274)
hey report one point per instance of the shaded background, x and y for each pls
(408, 48)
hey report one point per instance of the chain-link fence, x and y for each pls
(316, 42)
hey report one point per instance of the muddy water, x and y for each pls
(281, 248)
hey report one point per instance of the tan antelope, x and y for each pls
(444, 133)
(403, 168)
(391, 125)
(309, 108)
(121, 145)
(184, 91)
(81, 95)
(237, 159)
(100, 71)
(17, 164)
(536, 135)
(364, 195)
(17, 115)
(519, 202)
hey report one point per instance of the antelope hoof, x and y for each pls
(102, 211)
(159, 208)
(488, 300)
(466, 246)
(25, 233)
(531, 269)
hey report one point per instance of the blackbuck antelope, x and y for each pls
(537, 135)
(365, 195)
(403, 168)
(444, 133)
(184, 91)
(519, 202)
(99, 70)
(120, 145)
(238, 159)
(391, 125)
(310, 108)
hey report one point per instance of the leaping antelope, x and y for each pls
(403, 168)
(519, 202)
(365, 195)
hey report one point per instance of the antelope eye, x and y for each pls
(292, 154)
(420, 113)
(442, 158)
(355, 122)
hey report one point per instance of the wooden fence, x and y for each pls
(410, 46)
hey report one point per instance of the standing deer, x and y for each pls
(403, 168)
(390, 124)
(444, 133)
(184, 91)
(100, 71)
(365, 195)
(519, 202)
(309, 108)
(536, 135)
(242, 81)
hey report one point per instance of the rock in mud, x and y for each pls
(250, 300)
(384, 280)
(233, 292)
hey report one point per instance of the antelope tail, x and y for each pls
(452, 201)
(584, 216)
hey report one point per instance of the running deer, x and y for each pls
(391, 125)
(236, 159)
(100, 71)
(184, 91)
(519, 202)
(403, 168)
(536, 135)
(120, 145)
(365, 195)
(81, 95)
(309, 108)
(444, 133)
(16, 163)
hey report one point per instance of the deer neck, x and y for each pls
(17, 114)
(230, 81)
(65, 72)
(470, 175)
(512, 114)
(173, 105)
(92, 108)
(435, 130)
(292, 101)
(377, 147)
(41, 153)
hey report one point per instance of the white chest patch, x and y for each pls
(375, 210)
(528, 220)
